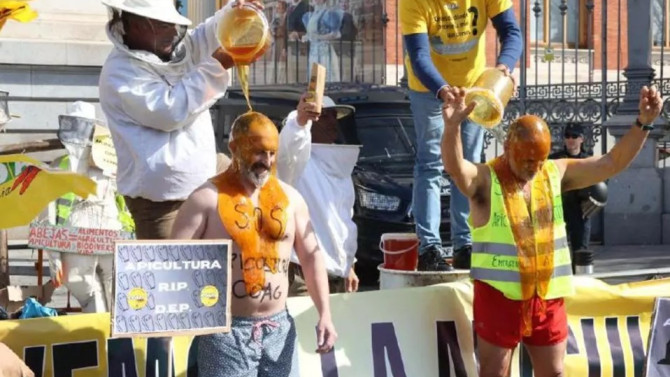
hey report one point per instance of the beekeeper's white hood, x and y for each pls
(161, 10)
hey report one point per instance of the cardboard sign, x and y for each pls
(166, 288)
(658, 355)
(317, 84)
(103, 154)
(75, 240)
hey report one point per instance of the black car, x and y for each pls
(383, 176)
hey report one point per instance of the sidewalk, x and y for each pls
(640, 262)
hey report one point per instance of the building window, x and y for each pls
(553, 28)
(659, 17)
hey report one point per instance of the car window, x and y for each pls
(386, 136)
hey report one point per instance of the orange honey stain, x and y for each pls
(256, 228)
(531, 220)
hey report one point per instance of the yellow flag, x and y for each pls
(17, 10)
(27, 187)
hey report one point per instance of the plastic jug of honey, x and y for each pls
(244, 33)
(491, 93)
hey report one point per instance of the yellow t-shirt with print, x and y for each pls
(455, 31)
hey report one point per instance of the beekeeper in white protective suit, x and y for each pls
(309, 160)
(87, 277)
(156, 88)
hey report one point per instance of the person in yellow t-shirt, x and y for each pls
(445, 46)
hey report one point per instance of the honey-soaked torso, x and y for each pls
(263, 232)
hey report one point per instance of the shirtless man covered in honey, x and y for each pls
(265, 218)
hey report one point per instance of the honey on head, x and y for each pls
(252, 126)
(253, 122)
(529, 134)
(252, 133)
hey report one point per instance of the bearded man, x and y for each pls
(265, 218)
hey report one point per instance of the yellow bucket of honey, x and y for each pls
(491, 93)
(244, 33)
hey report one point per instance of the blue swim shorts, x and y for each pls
(254, 347)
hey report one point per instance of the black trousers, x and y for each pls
(577, 227)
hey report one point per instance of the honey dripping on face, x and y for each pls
(532, 228)
(258, 228)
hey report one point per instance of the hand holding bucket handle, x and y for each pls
(505, 70)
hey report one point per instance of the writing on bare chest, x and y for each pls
(256, 226)
(268, 222)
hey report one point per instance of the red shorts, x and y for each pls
(498, 319)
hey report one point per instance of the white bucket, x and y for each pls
(394, 279)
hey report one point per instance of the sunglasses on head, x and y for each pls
(572, 136)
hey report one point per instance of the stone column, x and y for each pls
(634, 207)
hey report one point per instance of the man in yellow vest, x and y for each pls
(520, 258)
(64, 203)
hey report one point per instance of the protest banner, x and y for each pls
(166, 288)
(411, 332)
(103, 154)
(658, 357)
(27, 186)
(68, 239)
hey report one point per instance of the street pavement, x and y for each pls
(613, 264)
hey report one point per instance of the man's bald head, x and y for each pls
(252, 124)
(254, 141)
(530, 128)
(527, 145)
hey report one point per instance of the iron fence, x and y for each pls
(346, 36)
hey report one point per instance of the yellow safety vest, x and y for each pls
(64, 205)
(494, 253)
